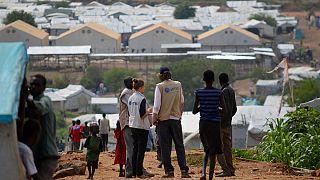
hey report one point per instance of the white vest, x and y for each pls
(134, 114)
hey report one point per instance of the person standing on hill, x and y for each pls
(167, 112)
(120, 153)
(124, 123)
(94, 147)
(209, 102)
(45, 151)
(140, 126)
(104, 131)
(225, 159)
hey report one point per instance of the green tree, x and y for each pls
(304, 91)
(189, 72)
(113, 78)
(184, 11)
(19, 15)
(60, 82)
(63, 4)
(92, 77)
(266, 18)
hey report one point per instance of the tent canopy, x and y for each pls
(13, 59)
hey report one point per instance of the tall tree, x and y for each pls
(266, 18)
(113, 78)
(19, 15)
(184, 11)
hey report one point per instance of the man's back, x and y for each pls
(230, 104)
(170, 99)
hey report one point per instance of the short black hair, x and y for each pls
(30, 128)
(73, 122)
(104, 115)
(78, 121)
(42, 79)
(127, 81)
(223, 78)
(208, 76)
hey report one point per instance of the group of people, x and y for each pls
(79, 132)
(216, 107)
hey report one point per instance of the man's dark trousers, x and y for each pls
(169, 130)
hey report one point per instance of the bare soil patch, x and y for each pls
(244, 169)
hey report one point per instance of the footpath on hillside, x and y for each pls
(245, 169)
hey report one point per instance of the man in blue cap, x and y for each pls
(167, 112)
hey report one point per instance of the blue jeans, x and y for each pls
(169, 130)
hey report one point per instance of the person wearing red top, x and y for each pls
(120, 157)
(76, 133)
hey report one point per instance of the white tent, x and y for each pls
(77, 98)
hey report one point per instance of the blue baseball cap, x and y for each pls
(164, 70)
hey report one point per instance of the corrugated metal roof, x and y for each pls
(172, 46)
(274, 82)
(72, 90)
(230, 57)
(58, 50)
(27, 28)
(223, 27)
(99, 100)
(164, 26)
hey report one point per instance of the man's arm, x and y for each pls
(156, 106)
(196, 107)
(182, 102)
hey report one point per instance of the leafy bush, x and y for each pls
(305, 90)
(92, 77)
(266, 18)
(295, 141)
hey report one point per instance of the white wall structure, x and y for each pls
(105, 105)
(101, 39)
(228, 38)
(150, 39)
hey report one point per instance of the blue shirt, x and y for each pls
(209, 100)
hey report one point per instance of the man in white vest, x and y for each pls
(167, 112)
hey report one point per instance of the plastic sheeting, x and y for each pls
(13, 59)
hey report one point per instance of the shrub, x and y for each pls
(294, 141)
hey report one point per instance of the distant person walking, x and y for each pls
(167, 112)
(140, 126)
(104, 131)
(120, 154)
(76, 133)
(45, 151)
(225, 159)
(94, 147)
(124, 123)
(208, 102)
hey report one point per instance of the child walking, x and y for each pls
(140, 125)
(120, 157)
(94, 147)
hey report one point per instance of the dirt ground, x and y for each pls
(244, 169)
(312, 35)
